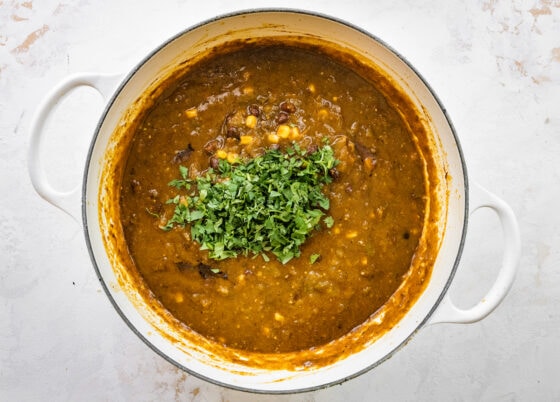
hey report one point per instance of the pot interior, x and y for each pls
(153, 324)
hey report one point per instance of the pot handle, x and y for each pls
(448, 312)
(67, 201)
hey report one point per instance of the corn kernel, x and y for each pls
(336, 230)
(179, 298)
(351, 234)
(335, 98)
(191, 113)
(364, 260)
(369, 164)
(273, 138)
(311, 88)
(221, 154)
(248, 90)
(283, 131)
(183, 201)
(232, 157)
(266, 331)
(294, 133)
(322, 113)
(278, 317)
(251, 121)
(245, 139)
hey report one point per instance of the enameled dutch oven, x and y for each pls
(461, 199)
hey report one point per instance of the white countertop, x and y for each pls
(495, 66)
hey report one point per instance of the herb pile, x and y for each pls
(268, 204)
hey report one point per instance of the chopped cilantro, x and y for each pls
(269, 204)
(313, 258)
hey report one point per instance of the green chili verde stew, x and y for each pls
(273, 197)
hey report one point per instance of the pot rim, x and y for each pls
(224, 16)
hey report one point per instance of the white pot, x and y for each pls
(192, 353)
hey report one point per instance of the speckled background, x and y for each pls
(494, 64)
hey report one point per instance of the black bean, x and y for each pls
(232, 132)
(288, 107)
(282, 117)
(254, 110)
(211, 146)
(334, 173)
(214, 162)
(312, 149)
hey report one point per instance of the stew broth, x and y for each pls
(232, 107)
